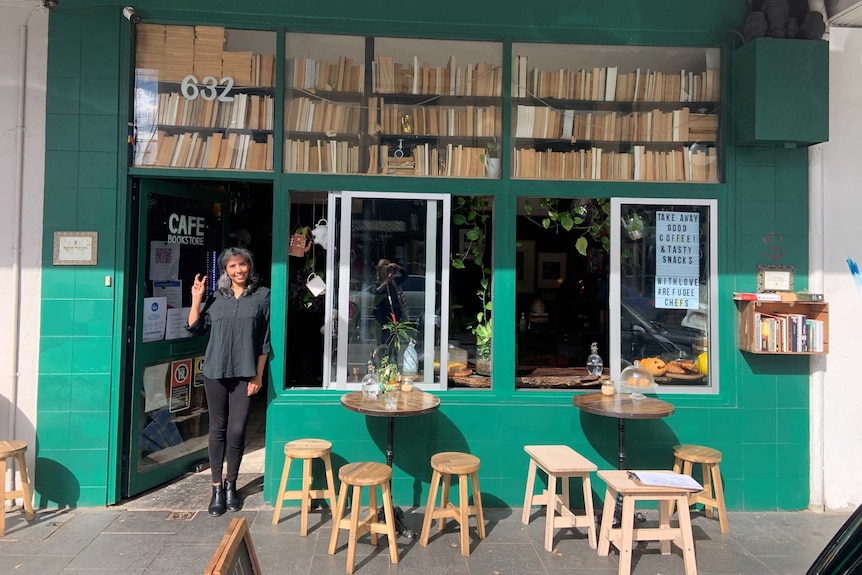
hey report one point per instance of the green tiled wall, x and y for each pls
(759, 421)
(77, 335)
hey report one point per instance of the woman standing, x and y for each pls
(237, 317)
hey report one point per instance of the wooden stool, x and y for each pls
(15, 449)
(559, 462)
(623, 537)
(359, 475)
(307, 450)
(712, 496)
(445, 465)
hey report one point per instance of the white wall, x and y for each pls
(842, 224)
(15, 14)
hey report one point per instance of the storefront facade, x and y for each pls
(754, 204)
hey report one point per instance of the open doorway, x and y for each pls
(178, 229)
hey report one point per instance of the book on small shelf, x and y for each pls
(782, 326)
(778, 296)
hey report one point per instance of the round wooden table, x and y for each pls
(622, 406)
(410, 403)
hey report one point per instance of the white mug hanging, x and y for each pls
(315, 284)
(320, 234)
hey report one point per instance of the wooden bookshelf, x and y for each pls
(200, 103)
(426, 107)
(783, 338)
(615, 113)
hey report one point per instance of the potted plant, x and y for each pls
(400, 333)
(491, 158)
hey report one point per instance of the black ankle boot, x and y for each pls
(217, 503)
(232, 500)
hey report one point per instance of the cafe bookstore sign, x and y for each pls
(677, 260)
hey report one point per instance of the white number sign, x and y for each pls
(208, 88)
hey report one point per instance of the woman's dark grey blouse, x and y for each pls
(239, 333)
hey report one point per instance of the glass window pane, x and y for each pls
(561, 300)
(392, 106)
(666, 286)
(615, 112)
(203, 97)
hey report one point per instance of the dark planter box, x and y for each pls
(781, 92)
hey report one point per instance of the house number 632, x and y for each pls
(209, 88)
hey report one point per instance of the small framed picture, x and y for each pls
(771, 278)
(552, 269)
(76, 248)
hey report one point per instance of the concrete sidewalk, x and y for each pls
(168, 531)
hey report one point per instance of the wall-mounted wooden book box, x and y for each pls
(781, 92)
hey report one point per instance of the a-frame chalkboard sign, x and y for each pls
(235, 555)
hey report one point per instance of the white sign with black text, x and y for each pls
(677, 269)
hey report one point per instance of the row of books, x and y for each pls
(778, 296)
(789, 332)
(309, 74)
(216, 151)
(682, 165)
(480, 121)
(654, 126)
(608, 84)
(391, 77)
(177, 51)
(313, 115)
(246, 111)
(429, 160)
(321, 156)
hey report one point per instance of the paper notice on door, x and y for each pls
(172, 290)
(164, 261)
(155, 378)
(155, 315)
(178, 319)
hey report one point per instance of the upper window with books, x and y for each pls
(203, 98)
(392, 106)
(615, 113)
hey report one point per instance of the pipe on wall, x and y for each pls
(817, 363)
(20, 129)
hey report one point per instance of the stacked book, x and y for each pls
(238, 65)
(209, 45)
(179, 53)
(150, 46)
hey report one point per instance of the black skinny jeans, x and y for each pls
(228, 403)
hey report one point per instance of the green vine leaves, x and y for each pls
(589, 217)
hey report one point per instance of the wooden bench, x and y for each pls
(559, 462)
(624, 536)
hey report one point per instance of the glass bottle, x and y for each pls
(522, 323)
(370, 383)
(594, 361)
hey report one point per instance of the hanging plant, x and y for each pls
(588, 218)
